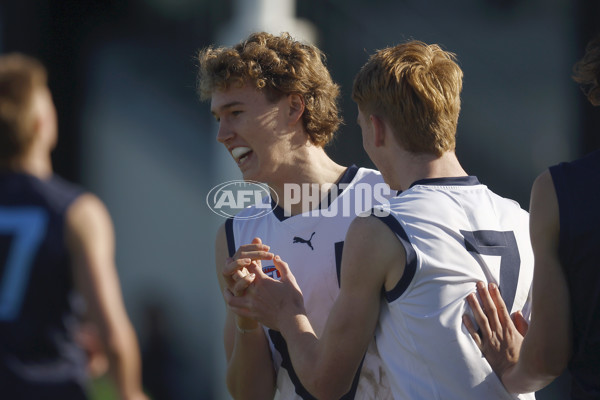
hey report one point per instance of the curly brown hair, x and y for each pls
(587, 71)
(20, 75)
(416, 87)
(279, 65)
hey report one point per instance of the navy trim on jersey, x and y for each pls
(286, 362)
(230, 237)
(449, 181)
(411, 258)
(347, 177)
(338, 248)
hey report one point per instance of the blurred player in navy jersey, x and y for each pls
(56, 244)
(565, 234)
(404, 276)
(276, 106)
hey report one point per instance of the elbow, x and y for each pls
(117, 347)
(323, 387)
(244, 387)
(550, 363)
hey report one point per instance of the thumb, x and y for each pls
(283, 269)
(520, 322)
(256, 240)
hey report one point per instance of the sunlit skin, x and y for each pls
(268, 141)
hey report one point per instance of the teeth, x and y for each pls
(238, 152)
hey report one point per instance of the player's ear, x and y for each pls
(296, 107)
(379, 129)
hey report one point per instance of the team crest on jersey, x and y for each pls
(271, 272)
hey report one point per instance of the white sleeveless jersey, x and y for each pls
(311, 243)
(455, 232)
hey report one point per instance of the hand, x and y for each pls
(235, 271)
(269, 301)
(237, 277)
(499, 337)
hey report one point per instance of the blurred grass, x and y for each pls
(103, 389)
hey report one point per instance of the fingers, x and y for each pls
(480, 318)
(234, 268)
(255, 251)
(502, 312)
(237, 304)
(240, 286)
(282, 267)
(489, 305)
(472, 330)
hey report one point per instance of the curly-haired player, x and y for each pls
(276, 106)
(404, 276)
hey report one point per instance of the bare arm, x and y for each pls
(547, 346)
(250, 372)
(529, 364)
(90, 240)
(327, 365)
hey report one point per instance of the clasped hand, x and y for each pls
(252, 294)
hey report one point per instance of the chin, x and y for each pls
(251, 176)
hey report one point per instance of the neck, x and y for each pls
(312, 166)
(414, 167)
(39, 165)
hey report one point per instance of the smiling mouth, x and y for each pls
(241, 153)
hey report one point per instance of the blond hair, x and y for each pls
(20, 76)
(416, 88)
(279, 65)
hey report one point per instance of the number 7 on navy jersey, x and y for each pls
(23, 228)
(503, 244)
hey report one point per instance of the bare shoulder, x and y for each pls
(369, 241)
(221, 236)
(544, 219)
(88, 214)
(221, 252)
(543, 206)
(370, 232)
(543, 185)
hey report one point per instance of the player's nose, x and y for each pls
(224, 133)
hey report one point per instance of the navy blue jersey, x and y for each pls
(39, 358)
(577, 186)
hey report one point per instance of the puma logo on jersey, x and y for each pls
(298, 239)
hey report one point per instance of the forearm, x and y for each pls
(539, 364)
(125, 363)
(315, 366)
(250, 372)
(521, 379)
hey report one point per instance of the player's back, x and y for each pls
(455, 232)
(38, 355)
(577, 186)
